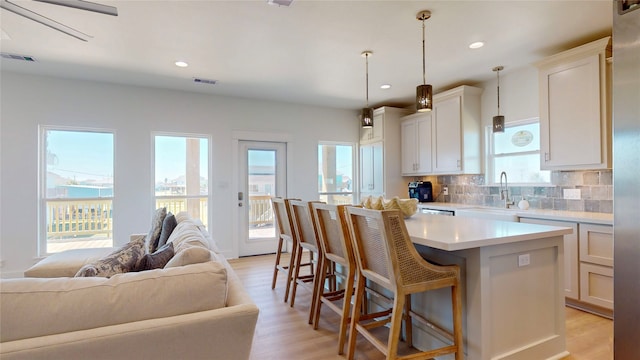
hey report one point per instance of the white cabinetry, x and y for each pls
(588, 264)
(456, 131)
(571, 274)
(415, 135)
(380, 168)
(575, 111)
(596, 265)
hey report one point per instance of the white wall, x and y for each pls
(134, 113)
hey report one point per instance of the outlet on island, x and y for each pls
(445, 191)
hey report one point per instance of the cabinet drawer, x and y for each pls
(596, 244)
(596, 285)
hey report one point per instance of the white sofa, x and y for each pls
(193, 311)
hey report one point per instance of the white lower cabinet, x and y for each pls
(588, 264)
(596, 265)
(571, 272)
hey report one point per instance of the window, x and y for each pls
(76, 189)
(182, 174)
(335, 173)
(516, 152)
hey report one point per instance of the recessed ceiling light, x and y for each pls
(181, 64)
(385, 86)
(476, 45)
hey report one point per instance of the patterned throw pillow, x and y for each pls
(168, 225)
(157, 260)
(156, 228)
(122, 260)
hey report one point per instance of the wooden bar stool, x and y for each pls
(285, 229)
(386, 256)
(306, 239)
(335, 246)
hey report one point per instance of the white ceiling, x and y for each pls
(307, 53)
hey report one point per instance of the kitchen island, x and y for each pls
(512, 274)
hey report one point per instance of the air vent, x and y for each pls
(17, 57)
(205, 81)
(280, 2)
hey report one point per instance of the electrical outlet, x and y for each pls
(445, 191)
(524, 260)
(571, 194)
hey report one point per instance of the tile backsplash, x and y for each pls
(596, 188)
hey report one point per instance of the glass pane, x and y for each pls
(181, 166)
(182, 175)
(261, 185)
(78, 189)
(521, 169)
(335, 173)
(516, 139)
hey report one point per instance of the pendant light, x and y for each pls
(366, 117)
(498, 120)
(424, 92)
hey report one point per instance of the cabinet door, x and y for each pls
(596, 285)
(571, 272)
(596, 244)
(409, 146)
(371, 169)
(423, 141)
(447, 137)
(570, 115)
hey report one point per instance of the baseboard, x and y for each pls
(593, 309)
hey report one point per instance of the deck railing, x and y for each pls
(260, 211)
(67, 219)
(79, 217)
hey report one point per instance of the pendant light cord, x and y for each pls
(424, 77)
(367, 77)
(498, 91)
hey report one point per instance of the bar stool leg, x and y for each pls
(355, 316)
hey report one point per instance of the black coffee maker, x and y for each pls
(421, 190)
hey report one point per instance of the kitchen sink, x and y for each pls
(490, 213)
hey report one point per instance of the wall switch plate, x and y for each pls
(571, 194)
(445, 191)
(524, 260)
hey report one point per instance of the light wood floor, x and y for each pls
(282, 332)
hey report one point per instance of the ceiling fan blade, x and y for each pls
(85, 5)
(7, 5)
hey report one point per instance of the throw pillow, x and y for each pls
(122, 260)
(157, 260)
(188, 256)
(156, 228)
(168, 225)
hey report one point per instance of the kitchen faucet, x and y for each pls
(504, 193)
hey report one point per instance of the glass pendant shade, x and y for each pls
(498, 124)
(366, 117)
(424, 98)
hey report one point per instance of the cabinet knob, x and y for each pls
(546, 156)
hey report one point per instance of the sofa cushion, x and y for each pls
(65, 263)
(186, 234)
(122, 260)
(156, 228)
(189, 255)
(168, 224)
(157, 260)
(32, 307)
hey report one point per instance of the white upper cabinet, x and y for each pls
(575, 111)
(415, 135)
(456, 131)
(375, 133)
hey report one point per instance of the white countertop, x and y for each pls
(559, 215)
(452, 233)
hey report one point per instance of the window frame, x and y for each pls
(354, 181)
(490, 156)
(42, 241)
(154, 198)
